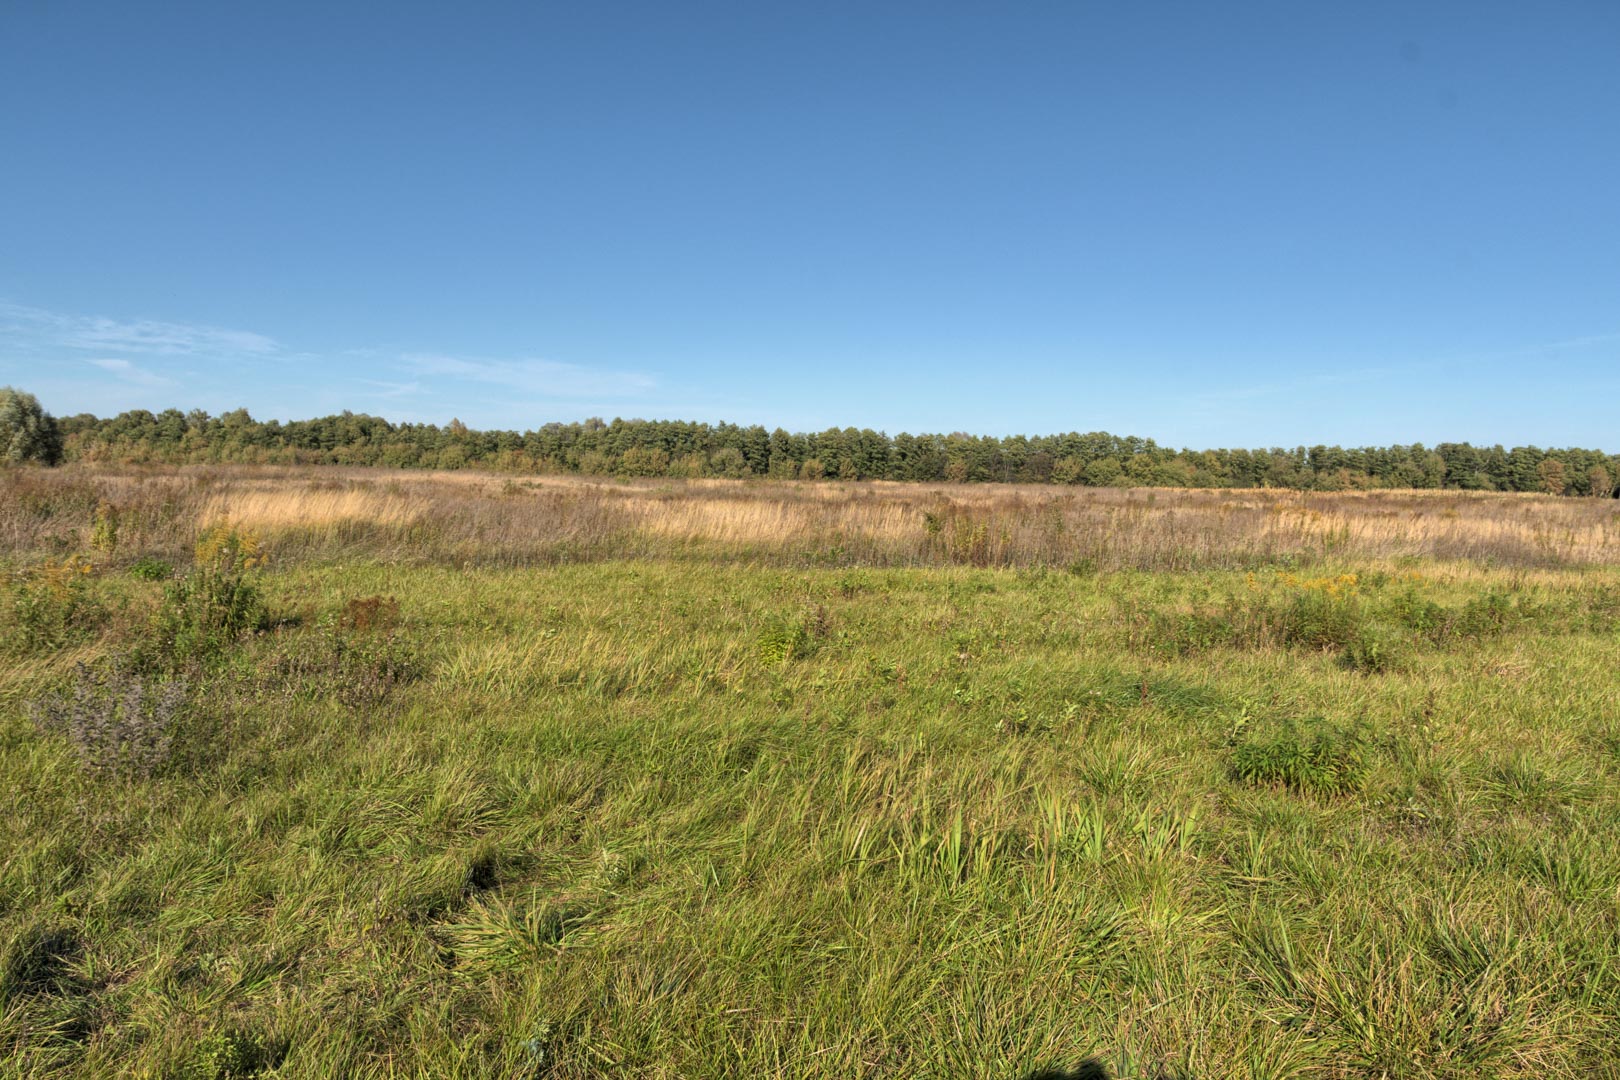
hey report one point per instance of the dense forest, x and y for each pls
(676, 448)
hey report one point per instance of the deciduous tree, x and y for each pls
(27, 431)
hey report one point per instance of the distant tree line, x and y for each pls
(685, 449)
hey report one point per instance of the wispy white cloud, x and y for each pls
(1326, 379)
(149, 337)
(168, 339)
(215, 365)
(1574, 343)
(385, 389)
(129, 373)
(543, 377)
(1318, 380)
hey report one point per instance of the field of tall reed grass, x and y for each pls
(473, 518)
(315, 773)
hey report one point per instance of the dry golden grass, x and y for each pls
(767, 521)
(478, 517)
(271, 508)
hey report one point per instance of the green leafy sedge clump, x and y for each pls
(1325, 760)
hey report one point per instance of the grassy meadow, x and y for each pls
(331, 772)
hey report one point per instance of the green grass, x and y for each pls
(666, 819)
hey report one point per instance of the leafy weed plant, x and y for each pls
(207, 611)
(51, 606)
(1321, 760)
(785, 638)
(148, 568)
(233, 1054)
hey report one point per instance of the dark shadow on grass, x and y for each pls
(39, 962)
(1089, 1069)
(1094, 1069)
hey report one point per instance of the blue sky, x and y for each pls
(1212, 224)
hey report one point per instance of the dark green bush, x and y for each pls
(1314, 619)
(27, 432)
(1485, 616)
(1412, 611)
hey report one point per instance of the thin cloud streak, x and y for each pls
(1573, 343)
(128, 372)
(386, 389)
(154, 353)
(149, 337)
(545, 377)
(167, 339)
(1285, 386)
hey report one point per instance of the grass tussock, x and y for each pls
(1322, 760)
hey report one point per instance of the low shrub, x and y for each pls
(1347, 614)
(1483, 616)
(1377, 648)
(116, 720)
(1486, 615)
(1415, 612)
(51, 606)
(1316, 613)
(1323, 617)
(1185, 633)
(210, 609)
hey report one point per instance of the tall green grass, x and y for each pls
(663, 819)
